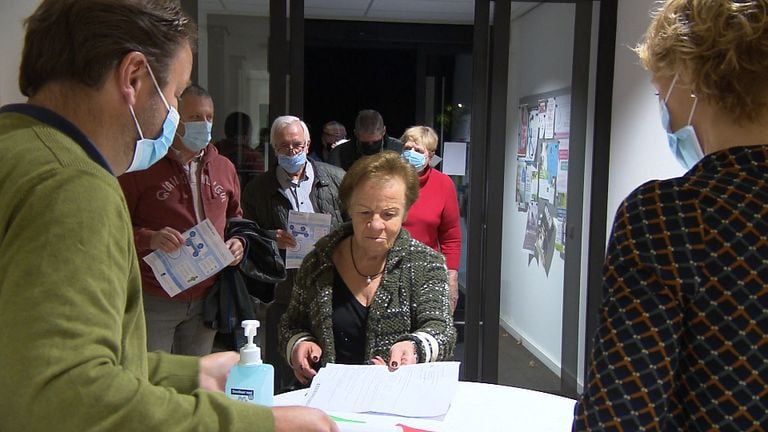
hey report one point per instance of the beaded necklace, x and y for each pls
(368, 278)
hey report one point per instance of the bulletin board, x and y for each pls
(542, 173)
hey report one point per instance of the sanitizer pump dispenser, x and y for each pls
(251, 380)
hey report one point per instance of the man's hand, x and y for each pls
(285, 240)
(453, 289)
(304, 356)
(214, 370)
(167, 240)
(236, 248)
(302, 419)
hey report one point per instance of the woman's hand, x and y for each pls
(402, 353)
(236, 248)
(378, 361)
(303, 358)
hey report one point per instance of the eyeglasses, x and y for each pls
(295, 147)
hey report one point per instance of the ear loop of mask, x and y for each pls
(695, 99)
(162, 97)
(693, 108)
(671, 87)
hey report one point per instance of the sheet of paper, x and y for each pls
(307, 229)
(202, 255)
(455, 158)
(563, 116)
(549, 126)
(420, 390)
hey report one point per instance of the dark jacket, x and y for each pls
(229, 300)
(345, 154)
(264, 203)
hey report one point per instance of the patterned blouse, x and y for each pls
(681, 343)
(411, 302)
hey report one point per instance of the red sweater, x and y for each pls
(161, 196)
(434, 217)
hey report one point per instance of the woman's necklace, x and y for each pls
(368, 278)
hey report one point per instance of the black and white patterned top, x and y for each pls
(681, 343)
(411, 302)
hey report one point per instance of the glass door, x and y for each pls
(233, 66)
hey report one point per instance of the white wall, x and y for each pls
(639, 149)
(638, 145)
(531, 301)
(11, 41)
(236, 51)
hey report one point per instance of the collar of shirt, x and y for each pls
(55, 120)
(176, 155)
(289, 187)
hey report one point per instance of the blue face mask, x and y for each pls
(418, 160)
(148, 151)
(197, 135)
(683, 143)
(292, 164)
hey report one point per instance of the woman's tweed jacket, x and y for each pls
(411, 302)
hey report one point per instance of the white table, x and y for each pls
(476, 407)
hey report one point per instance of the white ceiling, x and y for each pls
(422, 11)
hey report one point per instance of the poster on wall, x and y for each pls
(522, 135)
(542, 173)
(562, 193)
(563, 116)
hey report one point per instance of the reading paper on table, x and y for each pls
(420, 390)
(307, 229)
(202, 255)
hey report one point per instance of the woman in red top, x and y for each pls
(434, 217)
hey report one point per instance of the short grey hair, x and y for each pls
(195, 90)
(283, 122)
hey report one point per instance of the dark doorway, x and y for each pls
(340, 82)
(355, 65)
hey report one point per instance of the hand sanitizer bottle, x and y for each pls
(250, 380)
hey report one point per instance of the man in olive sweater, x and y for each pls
(101, 75)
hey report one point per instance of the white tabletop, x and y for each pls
(475, 407)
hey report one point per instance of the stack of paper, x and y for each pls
(420, 390)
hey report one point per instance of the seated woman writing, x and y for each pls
(368, 292)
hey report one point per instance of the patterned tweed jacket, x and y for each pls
(682, 341)
(411, 302)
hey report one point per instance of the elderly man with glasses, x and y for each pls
(300, 184)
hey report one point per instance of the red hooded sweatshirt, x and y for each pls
(161, 196)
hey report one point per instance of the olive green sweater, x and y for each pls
(72, 333)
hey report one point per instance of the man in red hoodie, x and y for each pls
(191, 183)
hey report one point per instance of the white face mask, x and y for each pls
(148, 150)
(683, 143)
(197, 135)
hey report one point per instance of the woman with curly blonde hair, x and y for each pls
(682, 342)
